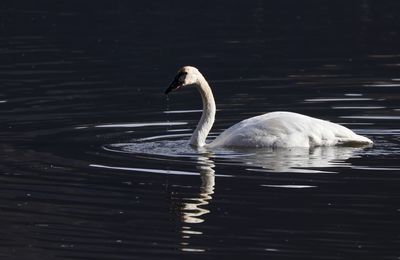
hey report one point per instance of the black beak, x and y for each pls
(173, 86)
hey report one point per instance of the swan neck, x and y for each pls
(206, 122)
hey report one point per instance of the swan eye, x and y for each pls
(177, 83)
(181, 76)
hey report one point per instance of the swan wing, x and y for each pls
(287, 129)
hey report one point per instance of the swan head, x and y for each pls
(186, 76)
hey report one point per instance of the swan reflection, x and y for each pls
(265, 159)
(297, 159)
(194, 209)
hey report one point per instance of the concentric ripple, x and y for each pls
(318, 159)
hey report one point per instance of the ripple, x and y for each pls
(134, 125)
(170, 148)
(380, 85)
(183, 111)
(359, 107)
(335, 99)
(383, 56)
(301, 160)
(373, 117)
(380, 131)
(376, 168)
(147, 170)
(353, 95)
(289, 186)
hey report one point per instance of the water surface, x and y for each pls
(94, 158)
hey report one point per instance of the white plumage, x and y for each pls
(275, 129)
(287, 129)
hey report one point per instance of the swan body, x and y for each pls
(275, 129)
(287, 129)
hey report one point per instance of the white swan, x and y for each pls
(275, 129)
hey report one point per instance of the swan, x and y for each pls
(275, 129)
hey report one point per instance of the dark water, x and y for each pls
(94, 161)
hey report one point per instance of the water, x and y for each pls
(94, 161)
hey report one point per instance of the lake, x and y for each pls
(95, 162)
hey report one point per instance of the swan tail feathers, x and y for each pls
(355, 142)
